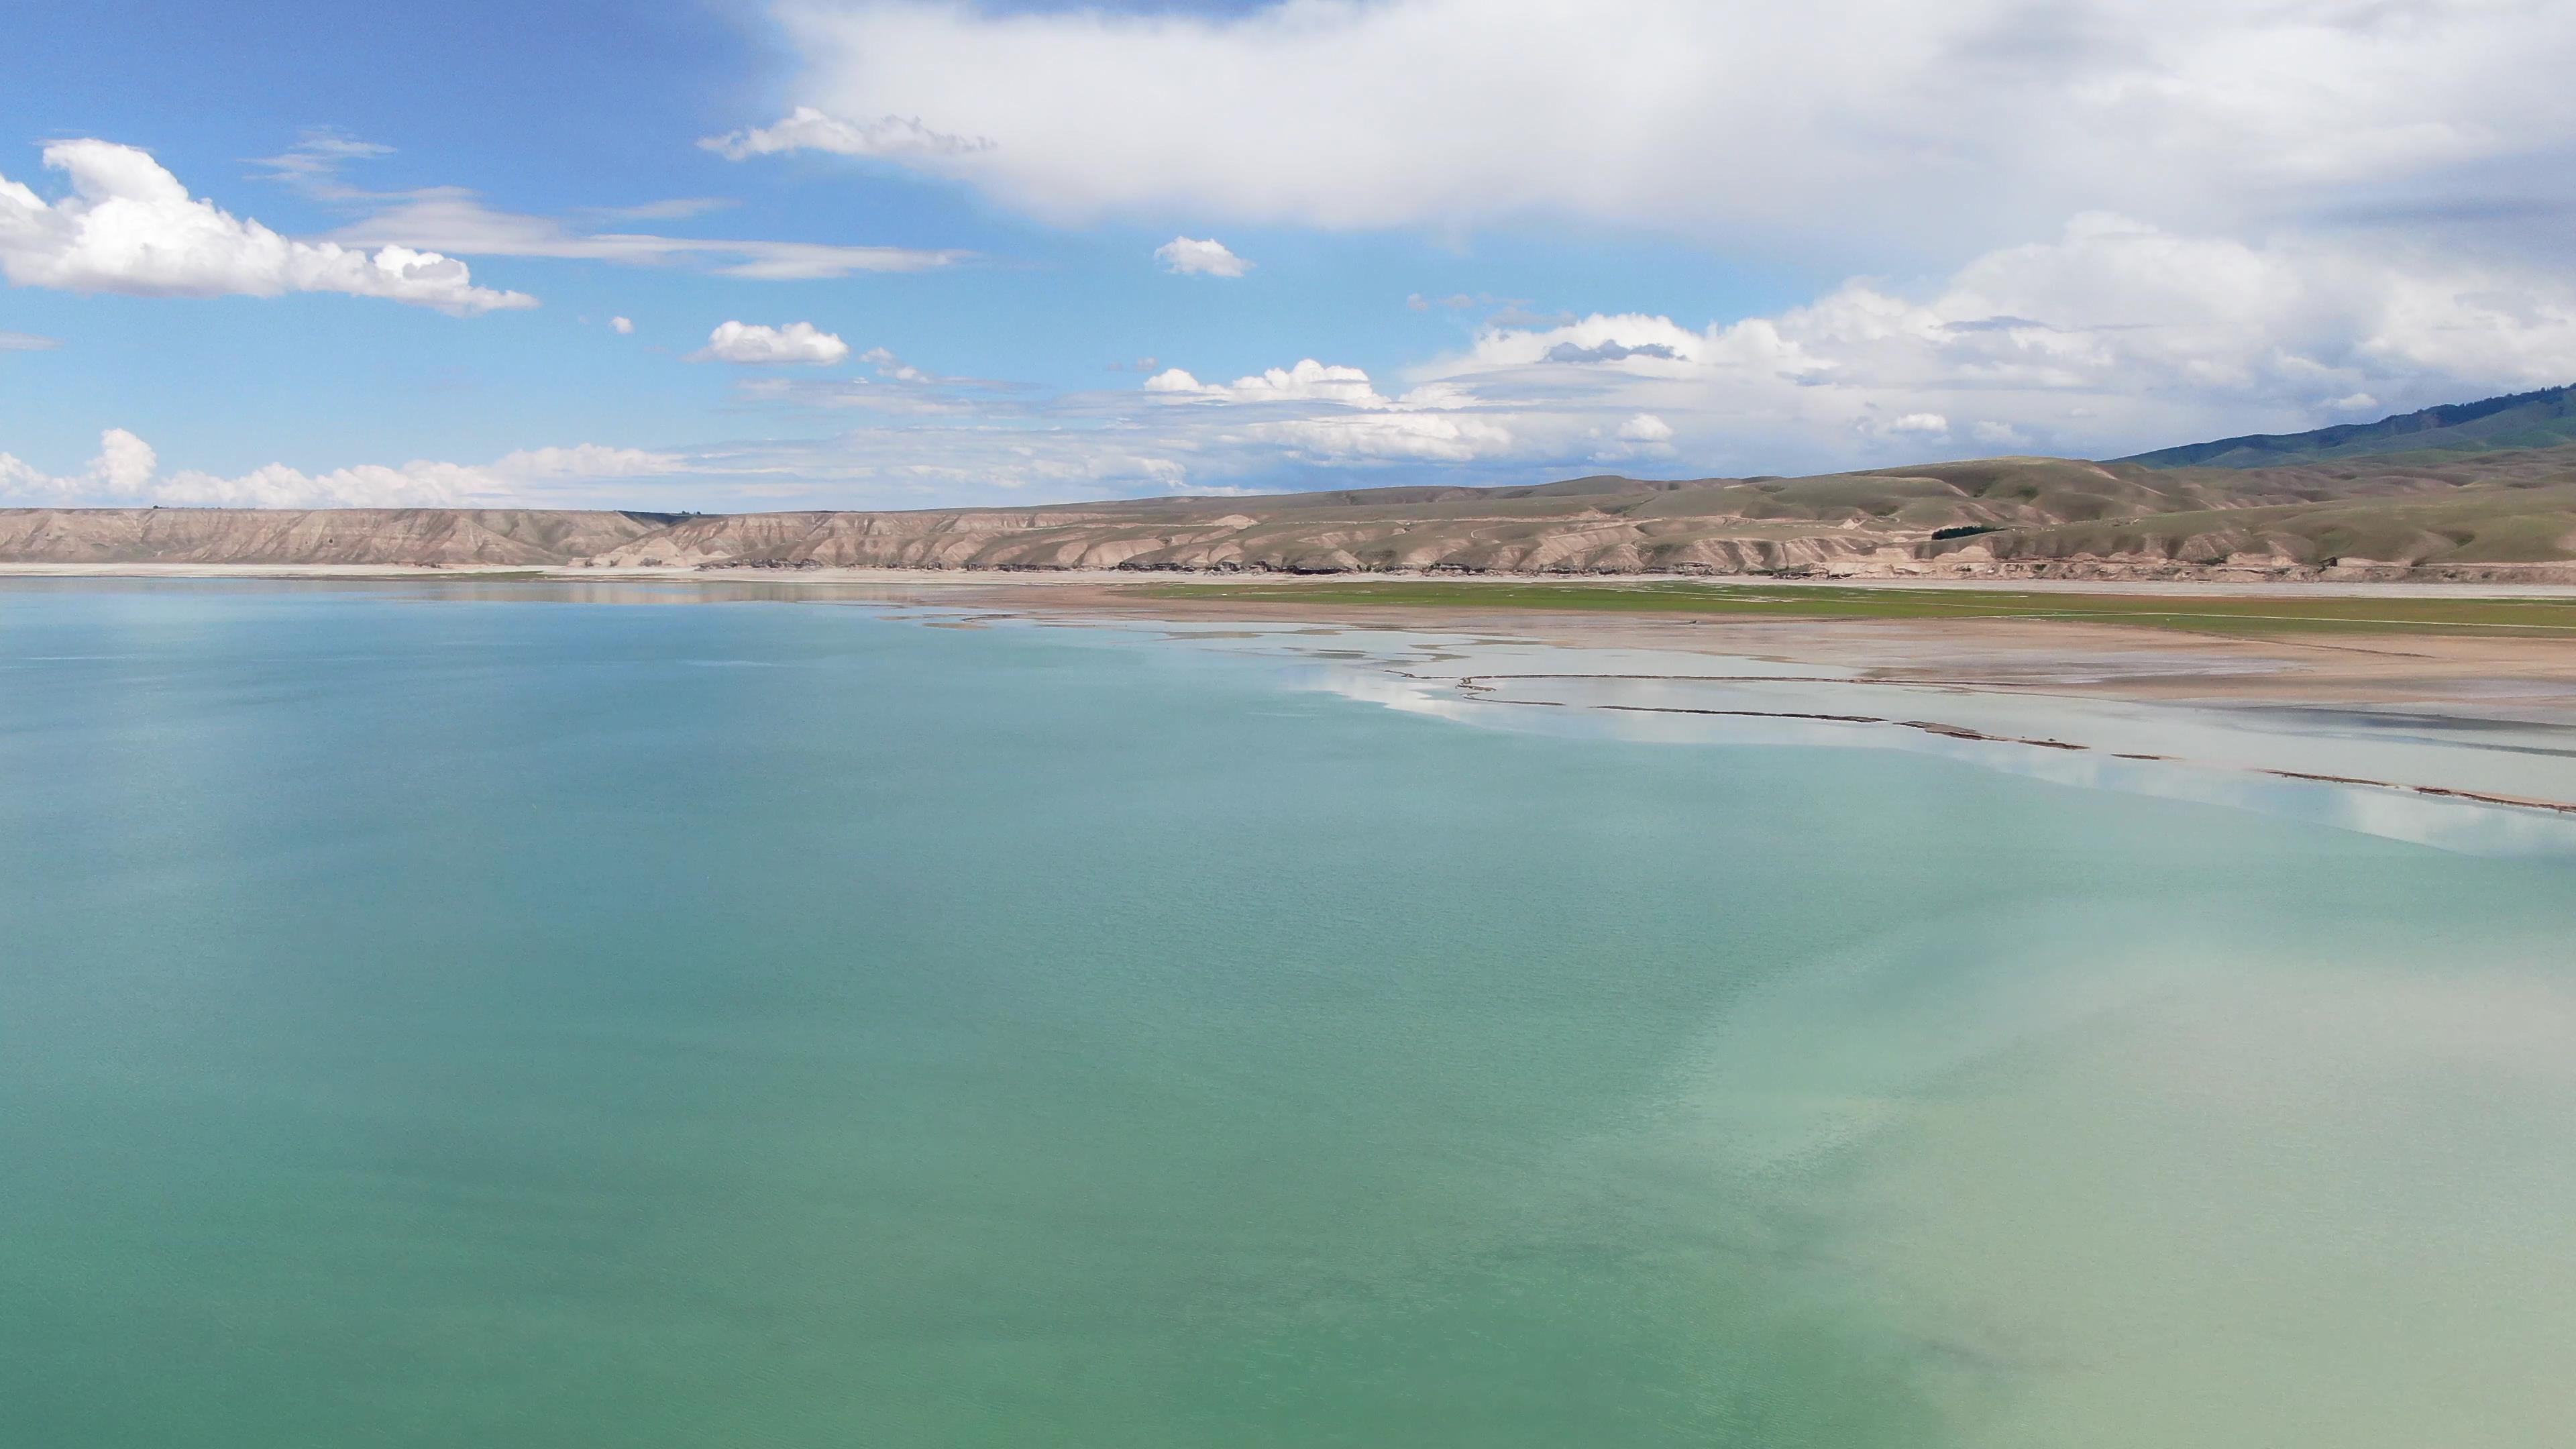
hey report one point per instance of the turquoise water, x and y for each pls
(472, 1017)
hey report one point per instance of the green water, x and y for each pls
(494, 1020)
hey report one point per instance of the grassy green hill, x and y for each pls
(2544, 419)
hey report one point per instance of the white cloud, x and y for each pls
(127, 472)
(1186, 257)
(128, 226)
(797, 342)
(1920, 423)
(1386, 437)
(1963, 124)
(27, 342)
(622, 326)
(807, 129)
(1318, 413)
(1646, 428)
(1308, 381)
(893, 368)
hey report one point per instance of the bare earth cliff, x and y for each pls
(436, 537)
(2468, 502)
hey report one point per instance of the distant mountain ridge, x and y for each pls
(2543, 419)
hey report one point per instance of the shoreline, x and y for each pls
(2221, 583)
(2089, 656)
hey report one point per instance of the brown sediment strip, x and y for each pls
(1943, 683)
(1929, 727)
(1477, 687)
(1733, 713)
(2525, 802)
(1962, 732)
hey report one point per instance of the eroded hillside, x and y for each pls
(432, 537)
(2502, 513)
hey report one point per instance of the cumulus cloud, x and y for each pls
(797, 342)
(1964, 124)
(621, 325)
(127, 472)
(1184, 256)
(807, 129)
(1318, 413)
(1307, 381)
(129, 226)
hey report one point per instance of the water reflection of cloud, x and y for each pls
(1622, 699)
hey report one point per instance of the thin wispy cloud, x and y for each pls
(455, 221)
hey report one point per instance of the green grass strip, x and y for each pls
(2547, 617)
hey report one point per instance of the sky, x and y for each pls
(723, 256)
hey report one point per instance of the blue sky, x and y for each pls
(1480, 241)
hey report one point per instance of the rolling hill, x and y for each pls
(2544, 419)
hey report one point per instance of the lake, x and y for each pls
(540, 1016)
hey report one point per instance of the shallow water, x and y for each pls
(435, 1017)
